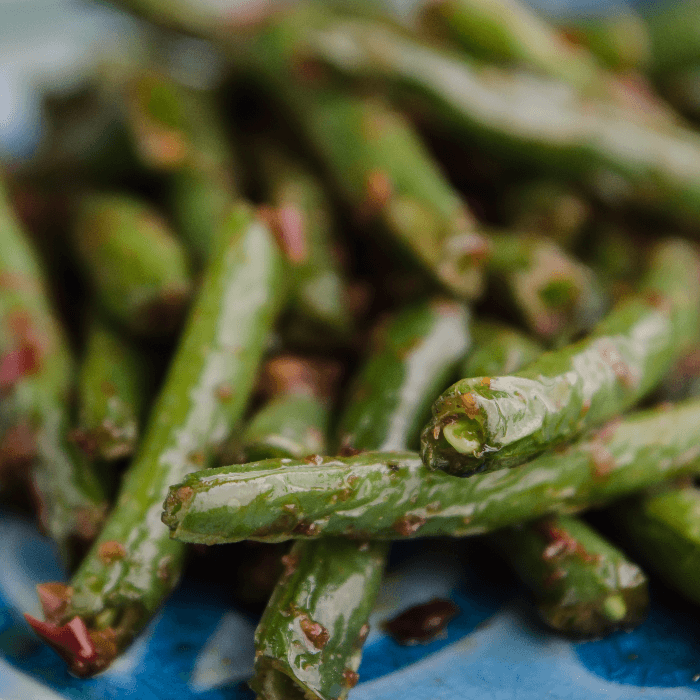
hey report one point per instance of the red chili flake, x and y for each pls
(291, 233)
(560, 542)
(421, 624)
(619, 367)
(313, 459)
(71, 641)
(16, 364)
(316, 633)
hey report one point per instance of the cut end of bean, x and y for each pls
(461, 439)
(614, 608)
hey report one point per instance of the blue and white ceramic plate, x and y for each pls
(200, 646)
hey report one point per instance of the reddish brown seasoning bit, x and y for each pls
(350, 677)
(305, 528)
(551, 579)
(409, 524)
(111, 551)
(316, 633)
(17, 364)
(309, 70)
(602, 460)
(85, 440)
(378, 191)
(347, 451)
(313, 459)
(421, 624)
(197, 458)
(559, 540)
(224, 392)
(290, 563)
(165, 569)
(364, 633)
(54, 598)
(291, 233)
(619, 367)
(17, 445)
(89, 521)
(658, 301)
(608, 430)
(470, 405)
(561, 543)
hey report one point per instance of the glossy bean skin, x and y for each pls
(498, 349)
(288, 426)
(134, 564)
(569, 133)
(302, 217)
(336, 582)
(309, 640)
(556, 295)
(414, 355)
(177, 131)
(582, 585)
(491, 422)
(372, 155)
(393, 496)
(137, 269)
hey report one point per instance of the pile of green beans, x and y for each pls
(380, 283)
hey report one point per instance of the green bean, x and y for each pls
(137, 269)
(112, 394)
(582, 584)
(36, 376)
(387, 495)
(487, 423)
(133, 565)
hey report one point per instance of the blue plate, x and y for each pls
(201, 646)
